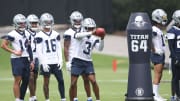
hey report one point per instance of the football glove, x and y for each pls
(59, 65)
(177, 62)
(45, 67)
(68, 66)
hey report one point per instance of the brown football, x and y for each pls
(100, 32)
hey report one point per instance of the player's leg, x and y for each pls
(73, 88)
(33, 80)
(25, 77)
(94, 85)
(173, 97)
(46, 86)
(59, 77)
(87, 87)
(16, 86)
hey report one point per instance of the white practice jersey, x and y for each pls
(19, 42)
(31, 37)
(85, 45)
(70, 34)
(49, 49)
(158, 40)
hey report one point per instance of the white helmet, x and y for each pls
(19, 21)
(33, 22)
(176, 16)
(76, 19)
(159, 16)
(46, 20)
(89, 23)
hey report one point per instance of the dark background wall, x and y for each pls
(100, 10)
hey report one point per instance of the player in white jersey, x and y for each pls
(76, 19)
(159, 20)
(32, 29)
(82, 61)
(20, 54)
(50, 55)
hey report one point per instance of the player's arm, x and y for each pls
(67, 41)
(84, 34)
(171, 43)
(39, 49)
(59, 51)
(99, 44)
(5, 43)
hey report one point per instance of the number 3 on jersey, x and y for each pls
(138, 45)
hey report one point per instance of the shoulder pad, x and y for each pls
(7, 37)
(38, 39)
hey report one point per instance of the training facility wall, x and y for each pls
(100, 10)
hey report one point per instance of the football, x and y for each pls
(100, 32)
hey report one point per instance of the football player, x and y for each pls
(20, 54)
(76, 19)
(174, 47)
(82, 61)
(50, 54)
(32, 29)
(159, 20)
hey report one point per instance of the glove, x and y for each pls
(45, 67)
(68, 66)
(177, 62)
(59, 65)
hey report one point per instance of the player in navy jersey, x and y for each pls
(159, 20)
(50, 55)
(82, 61)
(174, 47)
(32, 29)
(76, 19)
(20, 54)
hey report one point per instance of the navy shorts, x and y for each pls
(36, 65)
(54, 69)
(80, 67)
(20, 66)
(157, 59)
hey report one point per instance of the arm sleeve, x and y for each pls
(82, 34)
(99, 45)
(39, 50)
(59, 50)
(29, 50)
(171, 48)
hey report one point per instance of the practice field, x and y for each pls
(113, 85)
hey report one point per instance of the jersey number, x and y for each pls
(23, 46)
(51, 43)
(88, 48)
(138, 45)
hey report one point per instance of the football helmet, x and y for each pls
(176, 16)
(159, 16)
(33, 22)
(89, 24)
(19, 21)
(76, 19)
(46, 20)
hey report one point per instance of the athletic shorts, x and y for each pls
(157, 59)
(20, 66)
(80, 67)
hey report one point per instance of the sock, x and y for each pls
(31, 98)
(17, 99)
(21, 100)
(156, 89)
(75, 99)
(35, 98)
(47, 100)
(63, 99)
(89, 98)
(97, 100)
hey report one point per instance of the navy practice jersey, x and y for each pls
(174, 41)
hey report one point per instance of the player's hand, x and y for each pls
(59, 65)
(68, 66)
(45, 67)
(32, 66)
(94, 31)
(18, 53)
